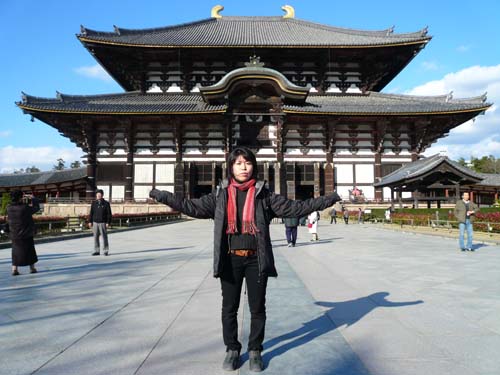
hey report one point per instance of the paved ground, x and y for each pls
(361, 301)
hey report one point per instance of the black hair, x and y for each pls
(16, 195)
(99, 191)
(247, 154)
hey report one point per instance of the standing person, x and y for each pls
(465, 212)
(345, 214)
(22, 231)
(291, 224)
(242, 209)
(99, 220)
(360, 216)
(333, 215)
(312, 220)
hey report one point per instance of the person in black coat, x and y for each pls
(22, 231)
(242, 209)
(99, 220)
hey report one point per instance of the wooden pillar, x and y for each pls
(399, 199)
(496, 195)
(415, 198)
(317, 187)
(392, 198)
(181, 183)
(265, 171)
(129, 168)
(471, 196)
(279, 167)
(214, 175)
(291, 176)
(457, 192)
(379, 191)
(329, 174)
(91, 165)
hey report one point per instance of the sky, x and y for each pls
(41, 55)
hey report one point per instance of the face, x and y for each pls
(242, 169)
(466, 196)
(98, 195)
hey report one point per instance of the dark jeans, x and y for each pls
(332, 219)
(291, 235)
(235, 269)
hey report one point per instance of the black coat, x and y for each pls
(20, 219)
(267, 206)
(22, 229)
(100, 212)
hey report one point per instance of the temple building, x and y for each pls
(306, 97)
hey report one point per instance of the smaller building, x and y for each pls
(437, 179)
(68, 184)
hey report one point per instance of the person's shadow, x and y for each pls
(340, 313)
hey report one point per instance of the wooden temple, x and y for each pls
(306, 97)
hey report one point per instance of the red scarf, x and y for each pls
(248, 226)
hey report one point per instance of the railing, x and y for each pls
(480, 226)
(72, 224)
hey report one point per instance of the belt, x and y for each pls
(244, 253)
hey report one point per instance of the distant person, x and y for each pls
(22, 230)
(388, 214)
(465, 212)
(100, 220)
(291, 224)
(242, 209)
(360, 216)
(333, 215)
(345, 214)
(312, 221)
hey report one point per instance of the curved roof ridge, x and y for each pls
(408, 97)
(389, 32)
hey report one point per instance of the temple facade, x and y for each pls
(306, 97)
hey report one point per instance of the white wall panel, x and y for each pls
(143, 173)
(165, 173)
(364, 173)
(344, 173)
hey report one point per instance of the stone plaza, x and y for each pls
(360, 301)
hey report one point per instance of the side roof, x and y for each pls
(42, 178)
(252, 32)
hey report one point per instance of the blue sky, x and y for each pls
(41, 55)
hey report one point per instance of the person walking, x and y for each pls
(465, 212)
(291, 224)
(345, 214)
(99, 220)
(333, 215)
(312, 221)
(360, 215)
(22, 230)
(242, 209)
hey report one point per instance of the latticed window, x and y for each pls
(305, 172)
(204, 172)
(389, 168)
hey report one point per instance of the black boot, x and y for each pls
(231, 361)
(255, 361)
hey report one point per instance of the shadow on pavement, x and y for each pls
(339, 314)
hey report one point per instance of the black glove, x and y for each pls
(334, 197)
(155, 193)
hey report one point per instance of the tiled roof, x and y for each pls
(251, 31)
(422, 166)
(372, 103)
(490, 179)
(42, 178)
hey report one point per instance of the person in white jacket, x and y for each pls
(312, 224)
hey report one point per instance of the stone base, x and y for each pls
(77, 209)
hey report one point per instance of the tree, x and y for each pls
(5, 203)
(61, 164)
(18, 171)
(486, 164)
(462, 162)
(76, 164)
(31, 169)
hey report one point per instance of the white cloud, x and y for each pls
(95, 71)
(43, 157)
(481, 136)
(463, 48)
(429, 65)
(5, 133)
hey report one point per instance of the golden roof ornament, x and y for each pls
(290, 12)
(216, 11)
(254, 62)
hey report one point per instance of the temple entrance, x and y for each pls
(304, 192)
(201, 190)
